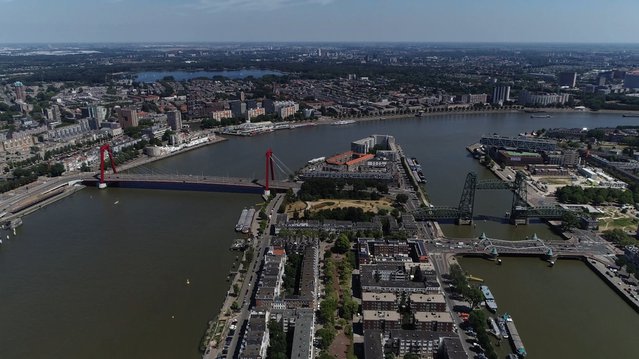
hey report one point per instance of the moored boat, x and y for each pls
(491, 304)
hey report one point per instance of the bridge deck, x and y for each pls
(191, 182)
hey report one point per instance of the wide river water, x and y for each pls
(102, 274)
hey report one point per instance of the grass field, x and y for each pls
(366, 206)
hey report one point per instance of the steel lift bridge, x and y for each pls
(520, 210)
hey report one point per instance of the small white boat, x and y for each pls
(188, 282)
(116, 202)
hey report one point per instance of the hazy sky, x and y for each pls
(319, 20)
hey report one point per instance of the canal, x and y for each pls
(102, 274)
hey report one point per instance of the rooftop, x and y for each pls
(381, 315)
(379, 297)
(433, 317)
(427, 298)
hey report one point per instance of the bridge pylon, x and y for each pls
(519, 208)
(105, 148)
(269, 166)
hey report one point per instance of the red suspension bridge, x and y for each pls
(144, 178)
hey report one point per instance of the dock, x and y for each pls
(472, 148)
(476, 149)
(515, 339)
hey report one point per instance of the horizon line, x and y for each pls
(117, 42)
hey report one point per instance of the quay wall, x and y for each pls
(609, 281)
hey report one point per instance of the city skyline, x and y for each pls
(571, 21)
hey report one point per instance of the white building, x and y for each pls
(219, 115)
(474, 98)
(501, 95)
(543, 99)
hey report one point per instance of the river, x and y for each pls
(86, 277)
(561, 312)
(89, 278)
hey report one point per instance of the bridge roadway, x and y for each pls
(529, 247)
(192, 183)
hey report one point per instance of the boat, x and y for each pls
(515, 339)
(248, 220)
(630, 115)
(12, 224)
(502, 327)
(241, 220)
(494, 327)
(343, 122)
(491, 304)
(540, 116)
(316, 160)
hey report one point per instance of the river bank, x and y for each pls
(149, 159)
(332, 120)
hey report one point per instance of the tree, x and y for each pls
(327, 310)
(474, 295)
(412, 355)
(569, 220)
(277, 341)
(619, 237)
(57, 170)
(325, 355)
(342, 244)
(326, 335)
(167, 135)
(349, 308)
(597, 134)
(208, 123)
(401, 198)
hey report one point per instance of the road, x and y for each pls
(246, 291)
(440, 262)
(14, 197)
